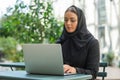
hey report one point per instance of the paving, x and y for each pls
(113, 73)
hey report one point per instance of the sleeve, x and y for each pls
(92, 62)
(58, 41)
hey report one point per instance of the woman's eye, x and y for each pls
(65, 20)
(73, 20)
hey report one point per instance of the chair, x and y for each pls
(102, 74)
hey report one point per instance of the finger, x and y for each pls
(66, 70)
(69, 71)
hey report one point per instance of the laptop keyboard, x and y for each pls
(68, 73)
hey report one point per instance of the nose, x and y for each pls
(68, 22)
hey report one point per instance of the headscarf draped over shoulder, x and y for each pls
(81, 36)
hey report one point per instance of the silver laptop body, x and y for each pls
(43, 59)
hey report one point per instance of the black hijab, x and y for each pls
(72, 42)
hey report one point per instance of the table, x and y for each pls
(23, 75)
(13, 64)
(22, 65)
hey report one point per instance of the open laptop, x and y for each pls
(43, 59)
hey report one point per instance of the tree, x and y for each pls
(33, 23)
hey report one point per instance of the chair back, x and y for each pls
(103, 74)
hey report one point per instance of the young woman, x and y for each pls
(79, 46)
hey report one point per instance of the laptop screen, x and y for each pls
(43, 58)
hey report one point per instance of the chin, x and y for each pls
(69, 31)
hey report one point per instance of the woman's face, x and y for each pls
(71, 21)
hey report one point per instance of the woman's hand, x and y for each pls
(69, 69)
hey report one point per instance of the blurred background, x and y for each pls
(41, 21)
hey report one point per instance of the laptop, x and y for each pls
(43, 59)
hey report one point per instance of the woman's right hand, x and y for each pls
(69, 69)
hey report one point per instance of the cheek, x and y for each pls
(65, 25)
(75, 26)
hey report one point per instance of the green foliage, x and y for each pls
(34, 23)
(31, 24)
(119, 64)
(9, 47)
(109, 57)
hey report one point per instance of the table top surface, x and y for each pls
(24, 75)
(12, 64)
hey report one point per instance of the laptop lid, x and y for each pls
(43, 59)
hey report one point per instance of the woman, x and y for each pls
(80, 48)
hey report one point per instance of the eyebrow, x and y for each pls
(69, 18)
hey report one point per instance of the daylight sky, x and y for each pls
(8, 3)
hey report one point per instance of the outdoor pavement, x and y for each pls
(113, 73)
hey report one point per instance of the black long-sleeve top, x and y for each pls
(86, 60)
(80, 48)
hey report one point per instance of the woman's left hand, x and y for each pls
(69, 69)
